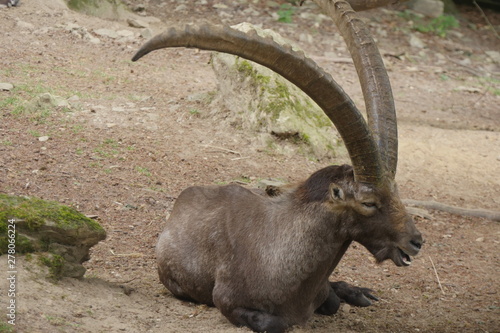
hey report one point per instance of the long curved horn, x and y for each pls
(296, 68)
(372, 75)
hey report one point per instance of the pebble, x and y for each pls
(135, 23)
(125, 33)
(416, 42)
(346, 308)
(494, 55)
(180, 8)
(43, 138)
(107, 33)
(71, 26)
(6, 86)
(25, 25)
(430, 8)
(146, 33)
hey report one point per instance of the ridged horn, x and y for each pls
(373, 76)
(295, 67)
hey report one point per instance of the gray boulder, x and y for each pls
(265, 102)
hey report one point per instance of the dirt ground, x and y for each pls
(136, 134)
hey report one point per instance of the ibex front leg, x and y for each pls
(331, 305)
(352, 295)
(344, 292)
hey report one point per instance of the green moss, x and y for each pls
(304, 109)
(55, 264)
(107, 9)
(79, 5)
(282, 107)
(245, 67)
(34, 213)
(6, 328)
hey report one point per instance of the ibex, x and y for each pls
(263, 260)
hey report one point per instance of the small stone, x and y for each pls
(306, 38)
(220, 6)
(146, 33)
(456, 34)
(72, 26)
(139, 8)
(25, 25)
(180, 8)
(53, 100)
(346, 308)
(125, 33)
(416, 42)
(106, 33)
(6, 86)
(430, 8)
(494, 55)
(43, 138)
(94, 40)
(480, 239)
(135, 23)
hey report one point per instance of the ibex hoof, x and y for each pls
(353, 295)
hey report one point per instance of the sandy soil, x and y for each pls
(137, 134)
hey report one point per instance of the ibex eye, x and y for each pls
(370, 204)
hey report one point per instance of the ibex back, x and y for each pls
(264, 260)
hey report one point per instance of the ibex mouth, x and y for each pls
(405, 258)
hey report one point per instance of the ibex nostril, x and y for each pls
(417, 244)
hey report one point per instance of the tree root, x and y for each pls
(484, 213)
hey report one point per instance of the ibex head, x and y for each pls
(374, 214)
(218, 236)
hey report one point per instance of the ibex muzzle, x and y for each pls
(264, 260)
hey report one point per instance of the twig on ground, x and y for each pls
(484, 213)
(469, 69)
(240, 158)
(223, 149)
(486, 18)
(437, 276)
(134, 255)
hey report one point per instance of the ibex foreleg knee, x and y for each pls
(257, 320)
(331, 305)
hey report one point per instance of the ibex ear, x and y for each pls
(336, 192)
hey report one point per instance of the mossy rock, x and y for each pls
(262, 100)
(106, 9)
(47, 226)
